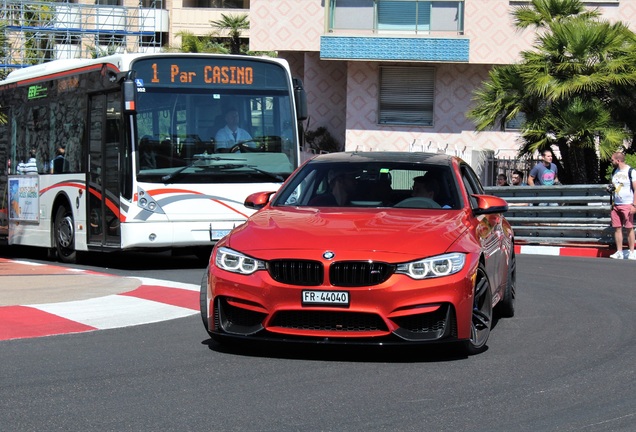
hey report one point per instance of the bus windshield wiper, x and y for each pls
(277, 177)
(168, 178)
(271, 175)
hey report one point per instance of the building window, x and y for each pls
(406, 95)
(404, 15)
(516, 123)
(152, 4)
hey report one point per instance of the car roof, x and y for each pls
(406, 157)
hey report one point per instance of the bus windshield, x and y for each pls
(203, 120)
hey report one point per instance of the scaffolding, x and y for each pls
(36, 32)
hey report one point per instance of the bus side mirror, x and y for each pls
(129, 90)
(301, 100)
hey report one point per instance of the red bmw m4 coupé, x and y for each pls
(366, 248)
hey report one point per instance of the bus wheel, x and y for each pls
(65, 235)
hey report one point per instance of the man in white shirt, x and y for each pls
(30, 166)
(623, 205)
(231, 134)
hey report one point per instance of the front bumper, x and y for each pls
(398, 311)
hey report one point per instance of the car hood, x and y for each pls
(386, 234)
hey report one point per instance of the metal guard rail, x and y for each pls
(558, 215)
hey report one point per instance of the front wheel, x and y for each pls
(64, 234)
(506, 308)
(481, 318)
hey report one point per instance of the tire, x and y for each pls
(203, 301)
(506, 307)
(481, 317)
(51, 253)
(64, 235)
(203, 255)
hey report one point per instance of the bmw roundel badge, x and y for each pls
(328, 255)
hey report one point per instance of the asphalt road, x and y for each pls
(564, 363)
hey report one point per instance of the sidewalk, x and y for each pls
(43, 300)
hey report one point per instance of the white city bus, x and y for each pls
(142, 166)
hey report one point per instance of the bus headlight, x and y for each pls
(146, 202)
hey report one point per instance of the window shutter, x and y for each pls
(406, 95)
(394, 15)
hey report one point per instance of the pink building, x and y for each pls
(399, 75)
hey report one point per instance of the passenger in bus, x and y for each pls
(58, 163)
(30, 166)
(231, 134)
(147, 153)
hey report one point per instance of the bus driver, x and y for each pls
(231, 134)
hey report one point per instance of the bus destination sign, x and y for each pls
(204, 72)
(211, 75)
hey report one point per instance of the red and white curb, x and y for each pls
(593, 252)
(153, 301)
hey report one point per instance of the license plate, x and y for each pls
(219, 234)
(331, 298)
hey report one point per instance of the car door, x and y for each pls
(489, 229)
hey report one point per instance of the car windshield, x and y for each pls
(371, 184)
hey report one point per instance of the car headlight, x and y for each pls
(441, 265)
(235, 262)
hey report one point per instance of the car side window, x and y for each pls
(299, 193)
(471, 184)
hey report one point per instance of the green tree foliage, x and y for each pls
(573, 90)
(224, 39)
(216, 43)
(4, 44)
(38, 47)
(233, 26)
(190, 43)
(321, 139)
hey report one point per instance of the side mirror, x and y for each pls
(129, 90)
(258, 200)
(301, 100)
(489, 204)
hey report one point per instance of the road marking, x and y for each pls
(153, 300)
(21, 322)
(114, 311)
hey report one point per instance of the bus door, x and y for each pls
(5, 169)
(106, 136)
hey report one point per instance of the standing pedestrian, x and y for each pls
(517, 178)
(545, 172)
(623, 205)
(30, 166)
(58, 162)
(502, 180)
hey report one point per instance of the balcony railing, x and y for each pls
(432, 17)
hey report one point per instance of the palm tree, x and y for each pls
(569, 88)
(192, 43)
(233, 25)
(541, 13)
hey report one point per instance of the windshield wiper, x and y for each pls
(168, 178)
(267, 173)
